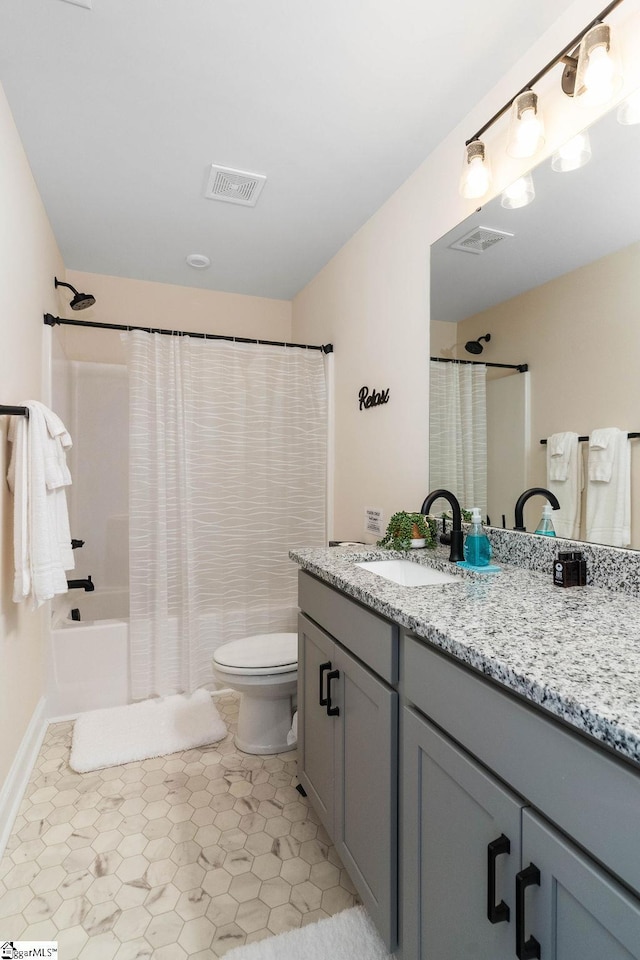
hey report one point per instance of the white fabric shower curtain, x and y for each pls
(228, 449)
(458, 433)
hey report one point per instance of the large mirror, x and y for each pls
(560, 293)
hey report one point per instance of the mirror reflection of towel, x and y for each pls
(565, 479)
(608, 514)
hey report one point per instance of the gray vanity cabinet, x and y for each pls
(576, 911)
(347, 741)
(473, 848)
(461, 851)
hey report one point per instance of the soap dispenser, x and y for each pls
(477, 549)
(545, 526)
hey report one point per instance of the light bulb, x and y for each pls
(599, 76)
(519, 193)
(526, 130)
(476, 175)
(573, 154)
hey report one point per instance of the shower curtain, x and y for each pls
(458, 433)
(228, 448)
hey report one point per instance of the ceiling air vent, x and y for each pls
(234, 186)
(479, 239)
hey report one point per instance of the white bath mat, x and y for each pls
(349, 935)
(151, 728)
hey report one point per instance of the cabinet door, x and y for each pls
(316, 730)
(577, 912)
(366, 810)
(460, 851)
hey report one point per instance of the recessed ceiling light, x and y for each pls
(198, 261)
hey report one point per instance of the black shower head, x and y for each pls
(81, 300)
(474, 346)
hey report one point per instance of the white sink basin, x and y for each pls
(407, 573)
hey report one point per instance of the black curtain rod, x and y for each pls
(14, 411)
(520, 367)
(560, 58)
(630, 436)
(51, 321)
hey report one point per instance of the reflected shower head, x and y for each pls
(474, 346)
(81, 300)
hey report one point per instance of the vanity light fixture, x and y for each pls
(573, 154)
(519, 193)
(476, 173)
(526, 128)
(591, 71)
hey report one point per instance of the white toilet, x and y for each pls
(264, 670)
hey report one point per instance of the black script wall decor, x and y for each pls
(373, 399)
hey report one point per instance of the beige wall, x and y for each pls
(29, 259)
(163, 305)
(372, 298)
(580, 336)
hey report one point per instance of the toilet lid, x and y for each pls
(266, 651)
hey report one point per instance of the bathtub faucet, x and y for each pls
(87, 584)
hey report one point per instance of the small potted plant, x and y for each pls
(406, 531)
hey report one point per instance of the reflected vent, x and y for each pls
(479, 240)
(234, 186)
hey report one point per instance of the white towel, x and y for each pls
(565, 478)
(56, 470)
(609, 500)
(602, 452)
(559, 449)
(42, 539)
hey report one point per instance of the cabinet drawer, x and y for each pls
(586, 792)
(371, 638)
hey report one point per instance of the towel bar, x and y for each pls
(631, 436)
(16, 411)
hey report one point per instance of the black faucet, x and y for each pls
(87, 584)
(457, 552)
(522, 499)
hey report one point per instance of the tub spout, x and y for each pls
(87, 584)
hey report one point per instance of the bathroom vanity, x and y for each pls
(473, 749)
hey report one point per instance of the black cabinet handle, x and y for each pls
(525, 949)
(332, 711)
(322, 700)
(496, 912)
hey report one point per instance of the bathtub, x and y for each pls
(88, 663)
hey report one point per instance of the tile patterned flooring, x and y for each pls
(184, 856)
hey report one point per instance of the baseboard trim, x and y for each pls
(15, 785)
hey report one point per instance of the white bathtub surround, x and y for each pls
(88, 667)
(152, 728)
(349, 935)
(228, 470)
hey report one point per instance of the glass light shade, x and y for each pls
(629, 110)
(476, 174)
(519, 193)
(573, 154)
(599, 74)
(526, 128)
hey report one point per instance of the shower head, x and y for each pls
(81, 300)
(474, 346)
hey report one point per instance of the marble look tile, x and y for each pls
(175, 858)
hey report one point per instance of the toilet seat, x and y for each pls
(259, 655)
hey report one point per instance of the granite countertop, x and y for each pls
(574, 652)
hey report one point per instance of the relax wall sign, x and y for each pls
(374, 398)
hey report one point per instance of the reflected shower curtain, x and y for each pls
(227, 473)
(458, 433)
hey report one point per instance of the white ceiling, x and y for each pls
(123, 107)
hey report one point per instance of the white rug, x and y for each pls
(151, 728)
(349, 935)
